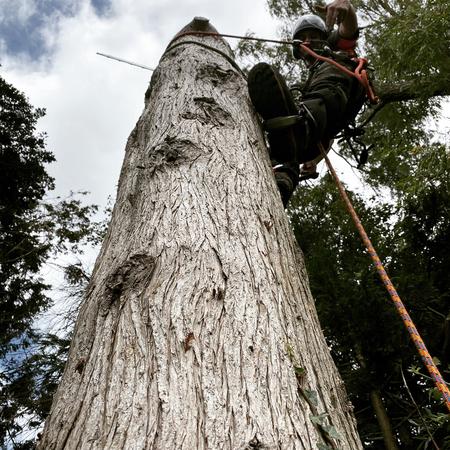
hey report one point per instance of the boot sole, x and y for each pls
(271, 98)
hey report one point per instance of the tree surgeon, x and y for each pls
(330, 99)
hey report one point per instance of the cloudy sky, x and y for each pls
(48, 50)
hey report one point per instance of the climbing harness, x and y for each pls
(409, 324)
(360, 72)
(352, 136)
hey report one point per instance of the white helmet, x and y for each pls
(309, 22)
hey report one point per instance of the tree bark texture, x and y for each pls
(198, 330)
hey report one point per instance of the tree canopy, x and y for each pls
(33, 229)
(24, 182)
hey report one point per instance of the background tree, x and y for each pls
(33, 229)
(408, 219)
(369, 345)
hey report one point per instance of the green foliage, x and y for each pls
(410, 40)
(366, 337)
(33, 229)
(321, 446)
(30, 376)
(24, 182)
(341, 274)
(30, 379)
(312, 397)
(290, 9)
(318, 420)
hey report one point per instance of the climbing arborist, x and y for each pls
(330, 99)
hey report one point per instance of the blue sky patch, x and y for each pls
(101, 6)
(23, 32)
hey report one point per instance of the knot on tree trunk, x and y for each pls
(207, 112)
(216, 74)
(130, 276)
(172, 151)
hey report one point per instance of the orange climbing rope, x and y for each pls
(409, 324)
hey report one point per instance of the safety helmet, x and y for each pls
(308, 22)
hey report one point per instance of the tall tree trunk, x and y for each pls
(198, 330)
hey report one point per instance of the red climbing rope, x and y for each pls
(409, 324)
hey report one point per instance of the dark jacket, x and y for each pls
(334, 97)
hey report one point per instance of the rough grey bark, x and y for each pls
(198, 330)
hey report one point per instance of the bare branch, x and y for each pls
(409, 90)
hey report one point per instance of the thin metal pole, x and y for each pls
(125, 61)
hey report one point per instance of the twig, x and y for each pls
(418, 410)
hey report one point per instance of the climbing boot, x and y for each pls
(285, 186)
(272, 99)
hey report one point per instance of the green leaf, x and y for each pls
(318, 419)
(322, 446)
(331, 431)
(311, 396)
(436, 361)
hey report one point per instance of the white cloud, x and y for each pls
(93, 103)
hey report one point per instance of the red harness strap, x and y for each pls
(360, 73)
